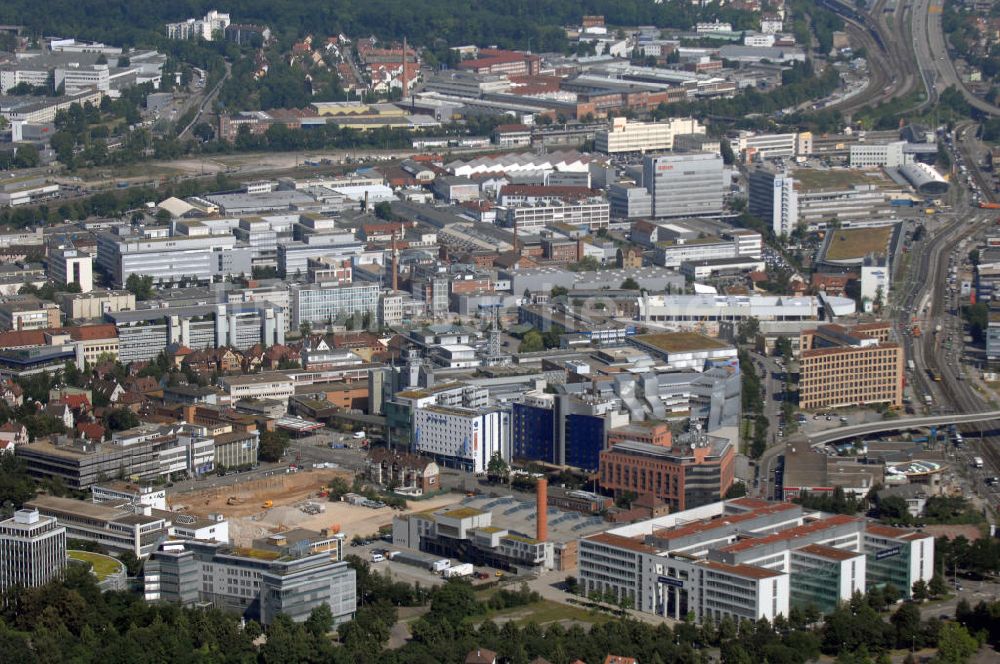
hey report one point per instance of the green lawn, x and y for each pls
(102, 566)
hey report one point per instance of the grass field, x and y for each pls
(857, 243)
(102, 566)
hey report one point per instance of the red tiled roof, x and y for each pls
(746, 571)
(622, 542)
(703, 526)
(894, 533)
(791, 533)
(75, 401)
(829, 552)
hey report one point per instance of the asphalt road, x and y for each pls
(932, 53)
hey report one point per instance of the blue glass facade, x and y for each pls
(532, 433)
(584, 440)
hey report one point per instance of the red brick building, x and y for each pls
(691, 472)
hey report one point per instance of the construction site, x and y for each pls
(256, 508)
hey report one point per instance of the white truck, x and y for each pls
(977, 462)
(456, 571)
(440, 565)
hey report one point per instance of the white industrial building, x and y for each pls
(879, 155)
(460, 437)
(623, 136)
(767, 146)
(705, 312)
(750, 559)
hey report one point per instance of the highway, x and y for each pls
(932, 54)
(891, 68)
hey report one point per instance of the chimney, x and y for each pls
(406, 72)
(542, 505)
(395, 264)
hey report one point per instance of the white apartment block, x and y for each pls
(884, 155)
(767, 146)
(203, 28)
(750, 559)
(171, 258)
(623, 136)
(592, 215)
(460, 437)
(259, 386)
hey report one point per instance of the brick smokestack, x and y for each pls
(542, 496)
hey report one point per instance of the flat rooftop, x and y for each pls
(838, 178)
(681, 342)
(858, 242)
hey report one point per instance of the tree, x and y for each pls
(920, 592)
(906, 622)
(497, 469)
(955, 644)
(133, 564)
(140, 285)
(630, 284)
(122, 419)
(531, 342)
(557, 291)
(937, 587)
(272, 445)
(26, 156)
(736, 490)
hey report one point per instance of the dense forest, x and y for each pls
(509, 23)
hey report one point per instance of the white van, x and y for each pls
(359, 434)
(377, 557)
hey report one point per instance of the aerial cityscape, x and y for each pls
(595, 332)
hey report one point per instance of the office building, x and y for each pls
(270, 385)
(564, 429)
(684, 185)
(68, 265)
(118, 526)
(694, 470)
(459, 437)
(258, 583)
(756, 147)
(27, 312)
(629, 202)
(318, 306)
(706, 312)
(143, 334)
(748, 559)
(593, 215)
(856, 366)
(622, 135)
(94, 304)
(879, 155)
(848, 197)
(171, 258)
(32, 550)
(774, 199)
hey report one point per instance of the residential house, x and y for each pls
(60, 411)
(12, 434)
(11, 393)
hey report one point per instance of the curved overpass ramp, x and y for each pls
(833, 435)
